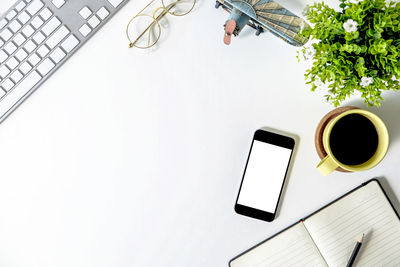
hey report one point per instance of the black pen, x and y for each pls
(355, 251)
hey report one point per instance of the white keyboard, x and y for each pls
(38, 36)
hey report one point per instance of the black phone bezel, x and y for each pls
(274, 139)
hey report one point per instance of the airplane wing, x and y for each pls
(272, 17)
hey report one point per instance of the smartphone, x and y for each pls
(264, 175)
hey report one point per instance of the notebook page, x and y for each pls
(336, 229)
(293, 247)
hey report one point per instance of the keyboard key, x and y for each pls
(39, 37)
(46, 13)
(70, 43)
(46, 66)
(58, 3)
(4, 71)
(43, 51)
(34, 7)
(85, 12)
(16, 76)
(6, 34)
(20, 6)
(10, 48)
(1, 43)
(3, 56)
(51, 26)
(57, 55)
(3, 23)
(12, 63)
(94, 21)
(24, 17)
(102, 13)
(115, 3)
(8, 84)
(37, 22)
(11, 14)
(21, 54)
(25, 67)
(28, 30)
(30, 46)
(2, 92)
(34, 59)
(19, 39)
(15, 26)
(85, 30)
(19, 91)
(57, 37)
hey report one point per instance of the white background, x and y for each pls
(129, 158)
(265, 172)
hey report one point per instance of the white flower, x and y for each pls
(318, 82)
(309, 53)
(321, 85)
(350, 25)
(354, 1)
(365, 81)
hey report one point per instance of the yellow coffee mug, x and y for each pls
(330, 163)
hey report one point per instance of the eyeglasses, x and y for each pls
(144, 30)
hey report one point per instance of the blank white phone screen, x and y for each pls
(265, 172)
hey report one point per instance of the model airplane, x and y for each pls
(262, 15)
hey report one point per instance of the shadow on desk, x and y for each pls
(386, 186)
(389, 112)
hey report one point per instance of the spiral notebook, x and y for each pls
(327, 237)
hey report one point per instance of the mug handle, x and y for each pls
(327, 165)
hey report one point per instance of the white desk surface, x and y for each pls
(129, 158)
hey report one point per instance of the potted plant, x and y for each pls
(356, 48)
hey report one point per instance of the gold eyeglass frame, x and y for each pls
(155, 21)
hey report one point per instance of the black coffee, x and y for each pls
(353, 139)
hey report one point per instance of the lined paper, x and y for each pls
(293, 247)
(336, 229)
